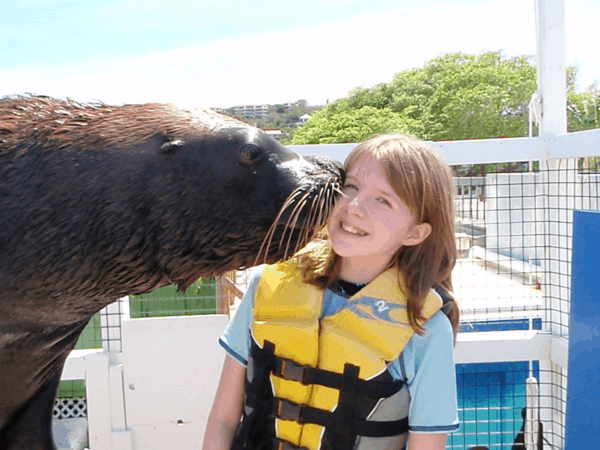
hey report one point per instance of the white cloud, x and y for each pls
(317, 63)
(581, 22)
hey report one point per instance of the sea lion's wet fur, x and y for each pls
(97, 202)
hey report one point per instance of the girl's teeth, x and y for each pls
(353, 230)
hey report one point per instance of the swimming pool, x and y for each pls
(491, 396)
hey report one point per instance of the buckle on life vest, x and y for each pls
(286, 410)
(289, 370)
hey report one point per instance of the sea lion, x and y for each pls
(97, 202)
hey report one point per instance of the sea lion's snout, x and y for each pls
(306, 209)
(330, 166)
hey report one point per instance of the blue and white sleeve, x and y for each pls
(428, 366)
(236, 337)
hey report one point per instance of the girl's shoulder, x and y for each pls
(437, 337)
(437, 325)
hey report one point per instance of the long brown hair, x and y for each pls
(419, 177)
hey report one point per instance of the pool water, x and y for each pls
(491, 396)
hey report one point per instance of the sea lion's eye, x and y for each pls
(250, 154)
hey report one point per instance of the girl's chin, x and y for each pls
(344, 248)
(340, 235)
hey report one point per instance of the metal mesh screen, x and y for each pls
(514, 233)
(205, 296)
(492, 400)
(199, 298)
(498, 274)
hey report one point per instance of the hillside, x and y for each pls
(278, 118)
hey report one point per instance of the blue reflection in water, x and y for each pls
(491, 397)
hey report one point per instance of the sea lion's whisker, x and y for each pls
(298, 206)
(335, 190)
(319, 211)
(324, 195)
(325, 204)
(311, 217)
(309, 224)
(322, 203)
(317, 217)
(268, 238)
(303, 237)
(271, 232)
(291, 199)
(295, 217)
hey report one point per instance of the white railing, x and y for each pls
(156, 392)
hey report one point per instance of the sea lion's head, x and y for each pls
(138, 196)
(260, 201)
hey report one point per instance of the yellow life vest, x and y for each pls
(366, 334)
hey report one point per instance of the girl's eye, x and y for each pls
(383, 201)
(349, 187)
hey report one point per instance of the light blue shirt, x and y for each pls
(426, 364)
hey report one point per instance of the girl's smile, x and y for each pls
(352, 230)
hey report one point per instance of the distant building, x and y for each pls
(251, 111)
(290, 105)
(275, 134)
(302, 120)
(261, 111)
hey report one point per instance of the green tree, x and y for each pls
(583, 111)
(454, 96)
(353, 125)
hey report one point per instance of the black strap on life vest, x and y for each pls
(348, 421)
(255, 431)
(446, 299)
(290, 370)
(286, 410)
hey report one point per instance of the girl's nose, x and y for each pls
(355, 206)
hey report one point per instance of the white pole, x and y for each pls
(552, 79)
(532, 427)
(551, 93)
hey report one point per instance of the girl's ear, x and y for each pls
(418, 234)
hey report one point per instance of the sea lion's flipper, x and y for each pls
(31, 427)
(35, 361)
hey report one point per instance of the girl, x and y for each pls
(349, 345)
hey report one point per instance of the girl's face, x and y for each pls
(370, 222)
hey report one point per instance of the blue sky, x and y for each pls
(224, 52)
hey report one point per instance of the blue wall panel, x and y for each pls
(583, 386)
